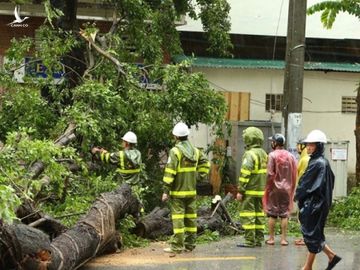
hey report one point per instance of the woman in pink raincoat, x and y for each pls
(280, 187)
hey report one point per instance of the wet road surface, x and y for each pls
(224, 255)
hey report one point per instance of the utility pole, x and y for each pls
(294, 73)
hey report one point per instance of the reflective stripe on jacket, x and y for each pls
(128, 161)
(252, 178)
(185, 164)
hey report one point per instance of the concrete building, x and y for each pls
(259, 35)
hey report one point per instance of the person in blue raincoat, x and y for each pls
(314, 197)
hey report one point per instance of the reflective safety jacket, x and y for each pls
(128, 161)
(185, 164)
(252, 178)
(303, 163)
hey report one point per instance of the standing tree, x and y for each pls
(329, 10)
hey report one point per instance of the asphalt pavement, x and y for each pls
(225, 254)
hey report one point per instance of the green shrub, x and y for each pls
(345, 212)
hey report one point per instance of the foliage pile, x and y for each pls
(345, 212)
(101, 95)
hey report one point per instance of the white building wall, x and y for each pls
(322, 91)
(321, 104)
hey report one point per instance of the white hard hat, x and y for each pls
(130, 137)
(315, 136)
(181, 130)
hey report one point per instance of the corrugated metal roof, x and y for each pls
(207, 62)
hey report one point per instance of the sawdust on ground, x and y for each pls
(152, 254)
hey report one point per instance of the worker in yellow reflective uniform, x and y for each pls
(185, 165)
(303, 160)
(252, 182)
(301, 167)
(128, 161)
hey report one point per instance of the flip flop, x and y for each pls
(285, 243)
(270, 242)
(244, 245)
(299, 242)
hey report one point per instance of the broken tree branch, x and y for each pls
(69, 135)
(117, 63)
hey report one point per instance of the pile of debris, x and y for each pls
(41, 242)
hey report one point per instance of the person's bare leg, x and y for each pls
(309, 261)
(334, 259)
(329, 252)
(284, 226)
(271, 239)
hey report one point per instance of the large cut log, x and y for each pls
(219, 219)
(206, 221)
(23, 247)
(30, 249)
(95, 232)
(158, 222)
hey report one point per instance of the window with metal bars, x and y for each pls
(348, 104)
(273, 102)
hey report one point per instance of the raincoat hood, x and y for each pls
(187, 150)
(134, 156)
(253, 136)
(319, 151)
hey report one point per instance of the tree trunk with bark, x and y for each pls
(158, 222)
(357, 137)
(32, 217)
(24, 247)
(74, 61)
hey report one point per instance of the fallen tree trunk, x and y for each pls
(23, 247)
(210, 222)
(29, 215)
(95, 233)
(216, 218)
(158, 222)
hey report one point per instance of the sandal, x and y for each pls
(299, 242)
(270, 242)
(284, 243)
